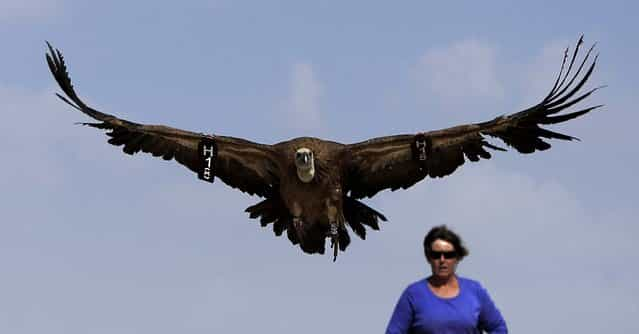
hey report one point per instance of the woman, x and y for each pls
(445, 302)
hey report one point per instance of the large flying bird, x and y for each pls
(312, 187)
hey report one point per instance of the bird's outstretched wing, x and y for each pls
(241, 164)
(400, 161)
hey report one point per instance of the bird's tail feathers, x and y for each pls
(358, 214)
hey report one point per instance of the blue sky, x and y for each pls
(93, 240)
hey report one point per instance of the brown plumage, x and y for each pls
(311, 187)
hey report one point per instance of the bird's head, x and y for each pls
(305, 164)
(304, 158)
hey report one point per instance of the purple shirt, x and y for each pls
(420, 311)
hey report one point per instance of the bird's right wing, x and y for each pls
(400, 161)
(241, 164)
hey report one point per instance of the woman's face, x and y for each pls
(442, 258)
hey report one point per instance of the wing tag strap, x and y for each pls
(207, 153)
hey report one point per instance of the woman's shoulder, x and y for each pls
(416, 286)
(469, 283)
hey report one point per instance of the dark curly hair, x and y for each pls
(442, 232)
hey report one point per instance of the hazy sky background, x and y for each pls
(96, 241)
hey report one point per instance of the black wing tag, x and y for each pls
(207, 153)
(422, 147)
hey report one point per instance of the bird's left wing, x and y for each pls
(395, 162)
(248, 166)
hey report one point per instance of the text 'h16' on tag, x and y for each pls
(207, 152)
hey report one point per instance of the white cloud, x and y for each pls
(463, 69)
(27, 10)
(302, 105)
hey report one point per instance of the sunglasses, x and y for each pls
(438, 255)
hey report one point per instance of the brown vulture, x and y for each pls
(312, 187)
